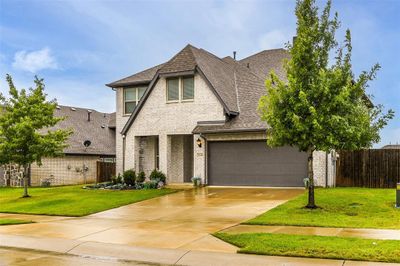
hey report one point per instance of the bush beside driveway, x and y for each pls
(71, 200)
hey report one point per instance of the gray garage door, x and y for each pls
(252, 163)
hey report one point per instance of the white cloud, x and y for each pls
(34, 61)
(274, 39)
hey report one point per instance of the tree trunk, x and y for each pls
(26, 195)
(311, 198)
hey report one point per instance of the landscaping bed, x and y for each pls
(339, 207)
(327, 247)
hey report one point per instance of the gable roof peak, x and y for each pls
(184, 60)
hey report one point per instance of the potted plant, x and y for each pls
(196, 181)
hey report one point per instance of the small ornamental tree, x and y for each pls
(24, 137)
(320, 106)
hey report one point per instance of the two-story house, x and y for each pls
(196, 115)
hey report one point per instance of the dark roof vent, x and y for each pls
(88, 115)
(248, 65)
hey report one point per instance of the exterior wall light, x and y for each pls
(198, 142)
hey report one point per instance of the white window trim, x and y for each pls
(135, 101)
(186, 100)
(180, 91)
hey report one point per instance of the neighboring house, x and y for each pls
(391, 146)
(78, 165)
(196, 115)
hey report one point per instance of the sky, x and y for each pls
(77, 46)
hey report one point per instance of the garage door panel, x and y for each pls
(252, 163)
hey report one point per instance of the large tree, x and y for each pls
(322, 105)
(24, 134)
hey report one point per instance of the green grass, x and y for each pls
(327, 247)
(71, 200)
(4, 221)
(340, 207)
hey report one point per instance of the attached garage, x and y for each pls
(252, 163)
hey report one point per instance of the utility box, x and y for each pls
(398, 195)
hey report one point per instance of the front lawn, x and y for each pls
(340, 207)
(4, 221)
(71, 200)
(327, 247)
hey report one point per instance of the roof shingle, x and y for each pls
(97, 130)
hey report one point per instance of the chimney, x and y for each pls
(234, 55)
(88, 115)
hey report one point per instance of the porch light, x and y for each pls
(198, 142)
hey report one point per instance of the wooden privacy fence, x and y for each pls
(105, 170)
(373, 168)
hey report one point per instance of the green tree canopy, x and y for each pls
(24, 134)
(321, 106)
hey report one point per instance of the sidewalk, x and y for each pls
(89, 249)
(383, 234)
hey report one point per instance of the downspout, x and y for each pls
(326, 169)
(205, 158)
(123, 152)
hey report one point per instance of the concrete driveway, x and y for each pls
(182, 220)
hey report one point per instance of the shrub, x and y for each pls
(141, 177)
(116, 179)
(129, 177)
(158, 176)
(152, 184)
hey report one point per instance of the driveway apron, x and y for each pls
(181, 220)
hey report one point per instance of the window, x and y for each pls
(188, 88)
(132, 97)
(173, 90)
(180, 89)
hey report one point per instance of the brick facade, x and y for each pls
(170, 121)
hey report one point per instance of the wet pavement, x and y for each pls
(384, 234)
(14, 257)
(182, 220)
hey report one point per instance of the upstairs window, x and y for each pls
(180, 89)
(132, 97)
(173, 90)
(187, 88)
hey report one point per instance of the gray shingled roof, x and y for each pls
(263, 62)
(96, 130)
(391, 146)
(250, 74)
(143, 77)
(237, 84)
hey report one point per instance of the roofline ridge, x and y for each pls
(110, 84)
(83, 108)
(262, 51)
